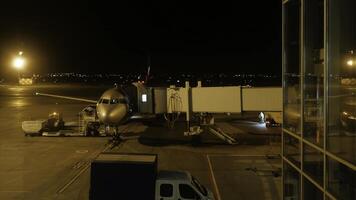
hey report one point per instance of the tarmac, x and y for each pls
(59, 167)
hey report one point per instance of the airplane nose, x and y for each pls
(103, 115)
(111, 115)
(107, 116)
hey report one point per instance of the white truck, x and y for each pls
(135, 176)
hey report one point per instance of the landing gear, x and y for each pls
(116, 139)
(116, 136)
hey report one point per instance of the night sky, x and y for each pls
(118, 36)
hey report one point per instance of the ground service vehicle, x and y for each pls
(37, 127)
(135, 176)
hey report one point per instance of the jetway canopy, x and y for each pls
(216, 99)
(204, 99)
(232, 99)
(262, 99)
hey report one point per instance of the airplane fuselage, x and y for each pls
(113, 107)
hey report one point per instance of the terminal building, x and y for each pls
(319, 99)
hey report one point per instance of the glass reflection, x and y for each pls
(291, 182)
(342, 79)
(341, 180)
(314, 72)
(310, 191)
(292, 149)
(313, 163)
(291, 118)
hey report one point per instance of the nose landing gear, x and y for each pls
(116, 139)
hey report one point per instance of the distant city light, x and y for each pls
(20, 53)
(25, 81)
(19, 63)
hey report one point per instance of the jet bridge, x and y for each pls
(226, 99)
(262, 99)
(231, 99)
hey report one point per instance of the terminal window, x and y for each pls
(144, 97)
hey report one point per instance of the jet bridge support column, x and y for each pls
(189, 104)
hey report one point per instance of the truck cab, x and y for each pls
(180, 185)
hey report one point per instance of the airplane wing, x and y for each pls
(138, 118)
(66, 97)
(142, 116)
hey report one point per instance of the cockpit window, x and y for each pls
(105, 101)
(114, 101)
(118, 101)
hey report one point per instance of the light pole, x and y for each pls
(19, 63)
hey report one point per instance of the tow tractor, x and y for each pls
(272, 119)
(54, 123)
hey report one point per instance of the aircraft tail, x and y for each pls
(148, 74)
(148, 69)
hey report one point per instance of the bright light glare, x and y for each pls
(20, 53)
(261, 117)
(350, 62)
(19, 63)
(144, 97)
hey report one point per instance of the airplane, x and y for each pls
(113, 107)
